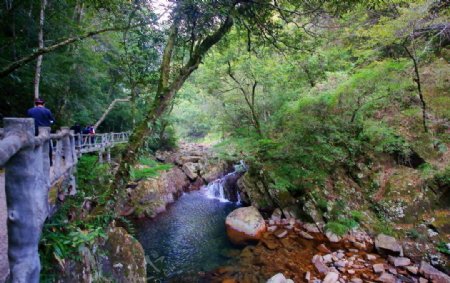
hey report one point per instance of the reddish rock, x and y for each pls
(245, 225)
(322, 248)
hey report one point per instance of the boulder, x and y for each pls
(388, 245)
(279, 278)
(190, 169)
(433, 274)
(245, 225)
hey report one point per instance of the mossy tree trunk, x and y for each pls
(164, 95)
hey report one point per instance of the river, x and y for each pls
(189, 238)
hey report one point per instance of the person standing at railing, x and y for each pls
(77, 131)
(43, 117)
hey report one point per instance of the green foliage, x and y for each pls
(67, 233)
(152, 169)
(443, 248)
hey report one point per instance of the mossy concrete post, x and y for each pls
(66, 147)
(26, 184)
(108, 155)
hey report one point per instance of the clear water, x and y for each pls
(187, 239)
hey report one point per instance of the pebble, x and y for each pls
(371, 257)
(311, 228)
(356, 280)
(340, 263)
(327, 258)
(306, 235)
(281, 233)
(272, 228)
(308, 276)
(386, 278)
(351, 271)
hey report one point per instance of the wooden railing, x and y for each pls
(27, 175)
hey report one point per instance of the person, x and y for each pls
(77, 131)
(92, 133)
(43, 117)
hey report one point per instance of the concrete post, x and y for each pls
(4, 263)
(66, 148)
(100, 156)
(108, 154)
(26, 193)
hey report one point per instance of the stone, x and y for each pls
(378, 268)
(327, 258)
(306, 235)
(351, 271)
(245, 225)
(124, 253)
(331, 277)
(276, 214)
(308, 276)
(423, 280)
(356, 280)
(388, 244)
(279, 278)
(361, 246)
(190, 169)
(311, 228)
(340, 263)
(318, 263)
(386, 278)
(371, 257)
(431, 273)
(333, 238)
(4, 264)
(393, 271)
(412, 269)
(270, 244)
(281, 233)
(272, 228)
(322, 248)
(399, 261)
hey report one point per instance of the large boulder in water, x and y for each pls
(245, 225)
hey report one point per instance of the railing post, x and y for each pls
(100, 156)
(26, 192)
(66, 148)
(108, 154)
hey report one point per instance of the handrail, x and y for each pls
(28, 178)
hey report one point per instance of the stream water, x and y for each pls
(190, 237)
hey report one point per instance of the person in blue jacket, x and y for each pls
(43, 117)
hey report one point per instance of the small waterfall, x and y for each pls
(225, 189)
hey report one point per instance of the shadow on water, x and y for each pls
(186, 240)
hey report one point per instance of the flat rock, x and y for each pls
(433, 274)
(399, 261)
(378, 268)
(356, 280)
(386, 278)
(388, 244)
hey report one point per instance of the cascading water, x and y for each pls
(225, 189)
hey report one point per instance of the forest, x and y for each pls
(337, 112)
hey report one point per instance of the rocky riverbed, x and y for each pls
(289, 249)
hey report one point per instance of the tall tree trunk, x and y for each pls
(162, 99)
(37, 76)
(419, 87)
